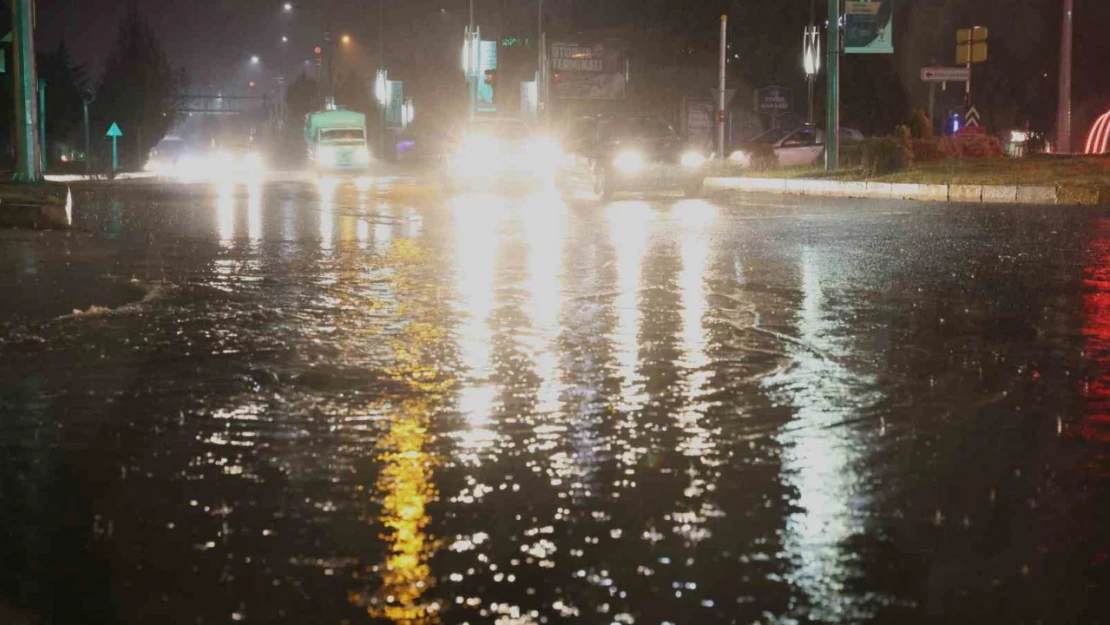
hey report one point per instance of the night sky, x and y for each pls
(214, 39)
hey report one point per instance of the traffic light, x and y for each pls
(491, 76)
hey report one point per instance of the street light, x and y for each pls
(284, 39)
(811, 60)
(346, 39)
(255, 60)
(288, 7)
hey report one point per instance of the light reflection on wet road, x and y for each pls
(330, 408)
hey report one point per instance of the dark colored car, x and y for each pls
(636, 154)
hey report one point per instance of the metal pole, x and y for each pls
(88, 147)
(43, 148)
(1063, 107)
(832, 112)
(540, 95)
(811, 79)
(932, 103)
(721, 76)
(28, 167)
(381, 67)
(967, 85)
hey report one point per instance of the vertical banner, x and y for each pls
(869, 27)
(394, 108)
(487, 61)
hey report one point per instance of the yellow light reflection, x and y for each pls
(405, 486)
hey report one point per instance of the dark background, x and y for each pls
(213, 40)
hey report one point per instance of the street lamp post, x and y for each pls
(1063, 107)
(811, 61)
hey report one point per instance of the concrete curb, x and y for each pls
(49, 215)
(1063, 195)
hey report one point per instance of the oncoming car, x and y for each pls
(501, 151)
(638, 154)
(792, 146)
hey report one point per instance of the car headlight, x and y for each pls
(692, 159)
(739, 156)
(326, 156)
(629, 161)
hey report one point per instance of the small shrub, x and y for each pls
(920, 125)
(763, 158)
(961, 147)
(926, 151)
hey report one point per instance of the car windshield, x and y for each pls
(342, 134)
(636, 128)
(773, 135)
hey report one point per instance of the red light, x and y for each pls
(319, 50)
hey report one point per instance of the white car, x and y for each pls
(792, 146)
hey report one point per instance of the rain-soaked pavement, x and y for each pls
(292, 404)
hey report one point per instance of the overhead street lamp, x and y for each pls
(287, 7)
(811, 61)
(255, 60)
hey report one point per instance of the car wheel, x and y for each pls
(603, 186)
(693, 187)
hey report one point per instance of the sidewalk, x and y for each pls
(1065, 195)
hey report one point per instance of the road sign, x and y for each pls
(971, 118)
(729, 95)
(964, 35)
(945, 74)
(773, 100)
(868, 27)
(115, 133)
(977, 52)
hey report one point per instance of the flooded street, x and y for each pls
(301, 403)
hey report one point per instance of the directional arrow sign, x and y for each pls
(729, 94)
(971, 118)
(945, 74)
(115, 133)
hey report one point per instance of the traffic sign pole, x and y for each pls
(115, 133)
(721, 86)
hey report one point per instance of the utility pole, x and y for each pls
(721, 77)
(1063, 107)
(88, 145)
(541, 97)
(832, 112)
(28, 167)
(381, 68)
(44, 149)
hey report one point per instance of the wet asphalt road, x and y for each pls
(296, 404)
